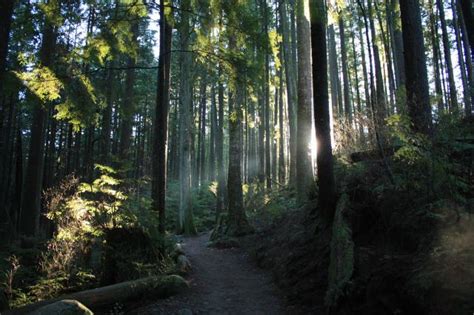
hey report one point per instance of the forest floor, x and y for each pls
(222, 281)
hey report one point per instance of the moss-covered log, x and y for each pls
(155, 287)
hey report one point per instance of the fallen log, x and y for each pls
(149, 287)
(63, 307)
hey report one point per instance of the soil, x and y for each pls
(222, 281)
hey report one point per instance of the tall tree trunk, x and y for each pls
(357, 87)
(436, 57)
(345, 74)
(290, 72)
(281, 158)
(462, 64)
(202, 132)
(6, 13)
(261, 140)
(185, 214)
(333, 72)
(273, 142)
(107, 117)
(212, 145)
(418, 100)
(364, 67)
(380, 104)
(159, 175)
(303, 157)
(467, 12)
(128, 106)
(326, 181)
(393, 16)
(467, 55)
(221, 186)
(31, 198)
(447, 56)
(388, 61)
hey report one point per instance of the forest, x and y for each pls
(236, 157)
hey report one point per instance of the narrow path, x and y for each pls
(223, 281)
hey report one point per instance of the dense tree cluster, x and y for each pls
(232, 92)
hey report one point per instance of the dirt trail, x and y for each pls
(222, 282)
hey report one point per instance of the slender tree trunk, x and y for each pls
(437, 68)
(185, 215)
(345, 75)
(212, 148)
(357, 87)
(303, 157)
(281, 159)
(447, 56)
(364, 68)
(333, 70)
(467, 55)
(107, 117)
(397, 41)
(380, 104)
(290, 72)
(273, 142)
(159, 174)
(388, 61)
(221, 187)
(261, 141)
(201, 131)
(128, 107)
(462, 64)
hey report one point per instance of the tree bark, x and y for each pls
(447, 57)
(326, 181)
(6, 13)
(303, 157)
(159, 165)
(345, 75)
(31, 199)
(128, 107)
(418, 100)
(185, 214)
(333, 73)
(290, 72)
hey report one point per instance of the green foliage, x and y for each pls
(96, 223)
(435, 165)
(267, 206)
(203, 200)
(42, 82)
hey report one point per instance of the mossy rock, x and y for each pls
(64, 307)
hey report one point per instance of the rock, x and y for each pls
(64, 307)
(183, 265)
